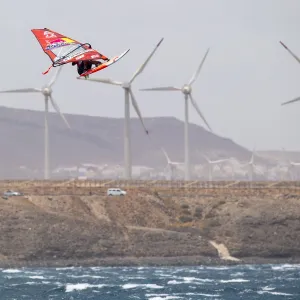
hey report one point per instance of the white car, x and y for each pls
(115, 192)
(10, 193)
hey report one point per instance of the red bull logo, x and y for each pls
(63, 40)
(59, 43)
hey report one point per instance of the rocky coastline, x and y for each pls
(149, 228)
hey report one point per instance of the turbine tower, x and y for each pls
(298, 60)
(46, 91)
(128, 93)
(187, 92)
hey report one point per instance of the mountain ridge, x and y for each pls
(99, 140)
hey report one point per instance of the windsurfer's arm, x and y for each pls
(94, 62)
(104, 57)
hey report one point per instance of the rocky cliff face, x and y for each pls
(146, 227)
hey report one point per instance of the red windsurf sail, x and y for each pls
(62, 49)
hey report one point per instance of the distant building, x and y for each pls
(82, 173)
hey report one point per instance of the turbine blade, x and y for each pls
(176, 163)
(105, 80)
(166, 154)
(291, 101)
(293, 54)
(54, 78)
(194, 77)
(142, 67)
(56, 107)
(285, 156)
(136, 107)
(252, 156)
(199, 111)
(258, 170)
(29, 90)
(219, 160)
(166, 88)
(251, 159)
(205, 157)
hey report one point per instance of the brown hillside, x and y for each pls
(148, 226)
(99, 140)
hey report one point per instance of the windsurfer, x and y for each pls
(85, 65)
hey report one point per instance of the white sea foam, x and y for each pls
(217, 268)
(237, 274)
(274, 293)
(285, 267)
(137, 285)
(185, 280)
(179, 295)
(31, 283)
(234, 280)
(132, 277)
(65, 268)
(81, 286)
(268, 288)
(11, 271)
(164, 297)
(37, 277)
(191, 279)
(88, 276)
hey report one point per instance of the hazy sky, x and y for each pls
(245, 78)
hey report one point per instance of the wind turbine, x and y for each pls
(292, 164)
(46, 91)
(252, 166)
(298, 60)
(171, 164)
(292, 167)
(187, 92)
(128, 93)
(213, 162)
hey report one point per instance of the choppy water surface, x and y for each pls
(239, 282)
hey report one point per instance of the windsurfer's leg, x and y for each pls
(80, 69)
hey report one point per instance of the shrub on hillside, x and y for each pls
(198, 212)
(185, 219)
(185, 206)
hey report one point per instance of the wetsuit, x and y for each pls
(83, 66)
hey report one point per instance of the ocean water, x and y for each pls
(237, 282)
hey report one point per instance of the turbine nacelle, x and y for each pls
(126, 85)
(47, 91)
(186, 89)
